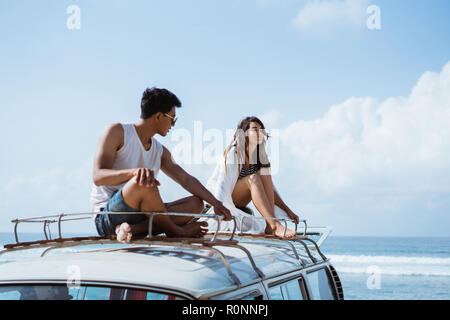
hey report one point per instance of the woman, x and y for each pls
(243, 175)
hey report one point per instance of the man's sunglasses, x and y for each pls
(174, 120)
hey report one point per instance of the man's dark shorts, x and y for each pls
(106, 223)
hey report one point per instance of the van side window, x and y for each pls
(275, 293)
(105, 293)
(35, 292)
(62, 292)
(289, 290)
(10, 295)
(320, 286)
(99, 293)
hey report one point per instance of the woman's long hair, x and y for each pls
(241, 142)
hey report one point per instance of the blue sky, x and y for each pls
(59, 88)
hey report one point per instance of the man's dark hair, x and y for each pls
(156, 100)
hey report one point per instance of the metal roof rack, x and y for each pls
(296, 239)
(64, 217)
(191, 243)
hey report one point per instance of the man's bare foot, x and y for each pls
(279, 231)
(191, 230)
(123, 233)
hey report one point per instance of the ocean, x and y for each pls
(376, 268)
(381, 268)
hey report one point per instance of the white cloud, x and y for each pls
(330, 14)
(397, 147)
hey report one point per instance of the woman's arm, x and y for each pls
(280, 203)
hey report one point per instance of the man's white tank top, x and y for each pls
(132, 155)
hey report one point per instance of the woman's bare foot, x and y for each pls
(190, 230)
(278, 231)
(123, 233)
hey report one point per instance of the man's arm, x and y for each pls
(191, 184)
(109, 143)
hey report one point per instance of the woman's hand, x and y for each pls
(294, 217)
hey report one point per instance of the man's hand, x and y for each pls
(221, 210)
(145, 177)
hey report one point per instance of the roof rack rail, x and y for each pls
(285, 220)
(298, 239)
(192, 243)
(153, 214)
(64, 217)
(253, 236)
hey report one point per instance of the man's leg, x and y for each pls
(148, 199)
(125, 223)
(191, 204)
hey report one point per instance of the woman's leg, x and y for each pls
(262, 196)
(268, 187)
(241, 194)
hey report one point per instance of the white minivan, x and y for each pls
(221, 266)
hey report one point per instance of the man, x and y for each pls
(126, 165)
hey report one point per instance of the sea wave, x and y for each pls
(391, 265)
(395, 272)
(389, 259)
